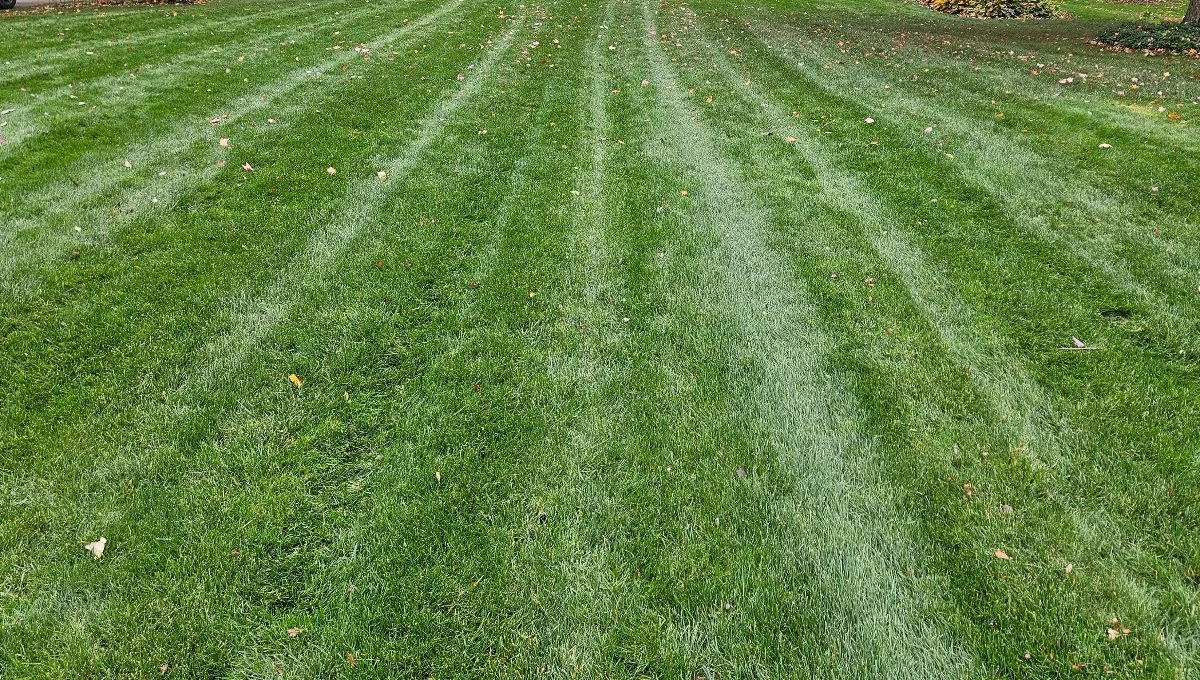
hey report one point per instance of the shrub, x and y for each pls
(1166, 37)
(997, 9)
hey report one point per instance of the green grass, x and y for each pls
(646, 357)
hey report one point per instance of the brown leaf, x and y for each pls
(1001, 555)
(294, 632)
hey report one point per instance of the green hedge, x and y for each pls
(997, 9)
(1168, 37)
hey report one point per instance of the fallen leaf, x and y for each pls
(247, 167)
(1001, 555)
(162, 670)
(331, 170)
(683, 193)
(1106, 146)
(1070, 568)
(437, 474)
(381, 174)
(295, 380)
(128, 164)
(97, 547)
(1077, 342)
(1113, 633)
(790, 139)
(224, 142)
(1006, 509)
(868, 121)
(220, 164)
(293, 632)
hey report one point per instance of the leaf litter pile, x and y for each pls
(612, 339)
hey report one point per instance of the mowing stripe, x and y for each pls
(310, 268)
(142, 460)
(139, 200)
(859, 552)
(1020, 407)
(113, 92)
(913, 101)
(399, 505)
(179, 37)
(1025, 182)
(576, 608)
(256, 316)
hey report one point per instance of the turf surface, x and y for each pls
(411, 338)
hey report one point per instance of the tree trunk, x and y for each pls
(1193, 12)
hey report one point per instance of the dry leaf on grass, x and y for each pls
(295, 380)
(97, 547)
(1001, 555)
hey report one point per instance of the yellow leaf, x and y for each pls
(295, 380)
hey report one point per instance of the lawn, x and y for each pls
(604, 339)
